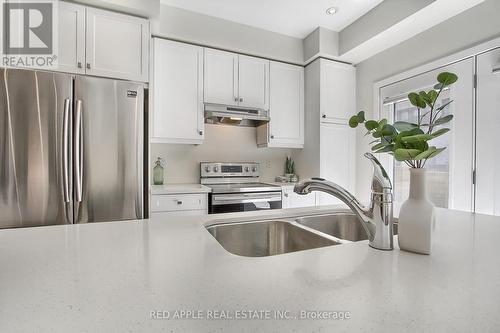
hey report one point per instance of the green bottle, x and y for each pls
(158, 172)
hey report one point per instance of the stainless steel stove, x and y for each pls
(236, 188)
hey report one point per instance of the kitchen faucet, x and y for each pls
(377, 217)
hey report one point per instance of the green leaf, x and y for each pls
(425, 97)
(417, 137)
(388, 130)
(371, 125)
(381, 124)
(429, 153)
(447, 78)
(404, 126)
(411, 132)
(420, 145)
(440, 132)
(386, 149)
(432, 95)
(378, 146)
(353, 122)
(406, 154)
(416, 100)
(443, 120)
(361, 116)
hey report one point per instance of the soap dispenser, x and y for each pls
(158, 172)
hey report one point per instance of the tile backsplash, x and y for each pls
(222, 144)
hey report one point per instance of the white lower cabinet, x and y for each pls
(291, 199)
(177, 93)
(337, 158)
(179, 204)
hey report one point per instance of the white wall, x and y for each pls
(184, 25)
(465, 30)
(222, 144)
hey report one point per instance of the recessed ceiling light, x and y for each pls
(332, 10)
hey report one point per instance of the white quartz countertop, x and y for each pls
(108, 277)
(179, 189)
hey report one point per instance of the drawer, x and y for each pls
(177, 202)
(167, 216)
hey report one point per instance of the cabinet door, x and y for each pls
(221, 77)
(338, 91)
(294, 200)
(286, 128)
(253, 82)
(337, 155)
(71, 53)
(177, 92)
(117, 45)
(488, 118)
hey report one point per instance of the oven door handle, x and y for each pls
(245, 198)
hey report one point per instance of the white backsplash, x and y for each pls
(222, 144)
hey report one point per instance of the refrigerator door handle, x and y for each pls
(65, 150)
(79, 151)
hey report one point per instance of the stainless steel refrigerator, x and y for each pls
(71, 149)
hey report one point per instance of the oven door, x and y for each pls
(243, 202)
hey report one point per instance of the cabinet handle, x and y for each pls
(179, 202)
(241, 99)
(88, 65)
(200, 132)
(272, 136)
(79, 64)
(323, 115)
(236, 99)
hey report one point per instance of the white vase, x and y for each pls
(416, 217)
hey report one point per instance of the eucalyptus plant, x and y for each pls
(410, 142)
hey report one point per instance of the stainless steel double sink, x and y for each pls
(279, 236)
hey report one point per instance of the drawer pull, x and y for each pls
(179, 202)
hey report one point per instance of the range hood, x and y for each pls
(235, 115)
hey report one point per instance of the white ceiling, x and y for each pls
(295, 18)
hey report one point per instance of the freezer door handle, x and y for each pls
(79, 151)
(65, 150)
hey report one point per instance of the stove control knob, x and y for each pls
(254, 169)
(247, 169)
(216, 168)
(207, 168)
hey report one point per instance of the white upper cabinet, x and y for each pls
(337, 161)
(237, 80)
(117, 45)
(71, 53)
(221, 77)
(253, 82)
(286, 128)
(177, 92)
(338, 91)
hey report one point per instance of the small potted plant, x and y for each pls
(290, 170)
(411, 143)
